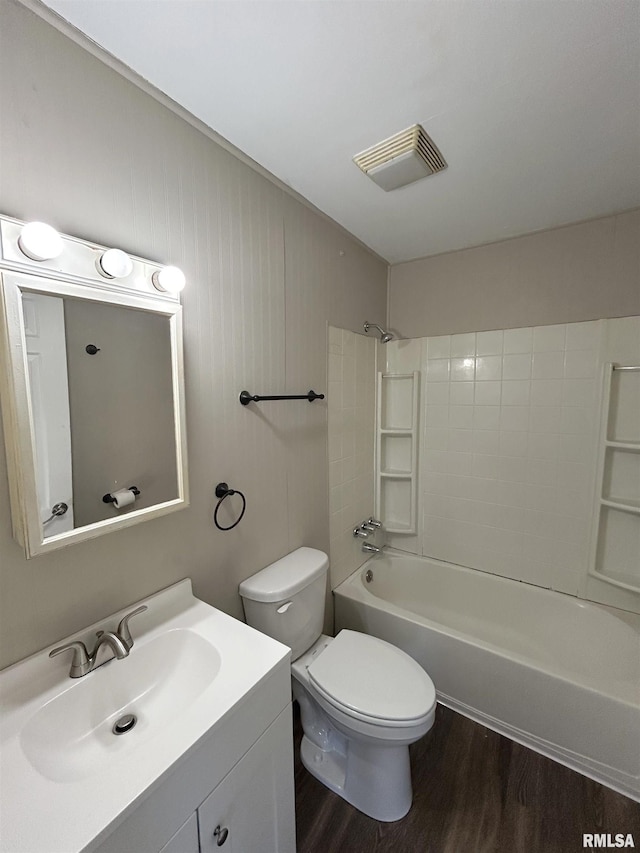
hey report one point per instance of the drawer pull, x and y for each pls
(220, 833)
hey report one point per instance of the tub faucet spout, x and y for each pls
(367, 546)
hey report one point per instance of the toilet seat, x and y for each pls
(372, 681)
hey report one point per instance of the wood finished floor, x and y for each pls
(474, 791)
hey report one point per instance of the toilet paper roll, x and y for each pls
(123, 498)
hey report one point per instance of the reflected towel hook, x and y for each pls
(223, 491)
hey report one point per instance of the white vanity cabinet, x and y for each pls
(253, 805)
(212, 744)
(250, 810)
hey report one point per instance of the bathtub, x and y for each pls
(557, 674)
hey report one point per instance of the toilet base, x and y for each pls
(376, 780)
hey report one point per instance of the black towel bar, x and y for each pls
(246, 397)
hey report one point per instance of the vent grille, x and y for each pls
(413, 139)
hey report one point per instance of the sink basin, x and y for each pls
(189, 672)
(71, 736)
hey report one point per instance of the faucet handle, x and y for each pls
(366, 525)
(374, 522)
(80, 664)
(360, 533)
(123, 628)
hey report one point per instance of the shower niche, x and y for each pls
(397, 451)
(615, 549)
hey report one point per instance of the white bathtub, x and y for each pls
(557, 674)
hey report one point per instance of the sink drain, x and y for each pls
(124, 724)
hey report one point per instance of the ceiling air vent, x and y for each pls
(402, 159)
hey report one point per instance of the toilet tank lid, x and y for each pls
(286, 576)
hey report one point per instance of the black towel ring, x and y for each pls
(223, 491)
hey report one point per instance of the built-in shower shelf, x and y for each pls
(397, 451)
(619, 579)
(633, 446)
(616, 538)
(394, 527)
(397, 475)
(625, 504)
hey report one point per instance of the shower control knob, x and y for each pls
(220, 833)
(374, 522)
(366, 525)
(359, 533)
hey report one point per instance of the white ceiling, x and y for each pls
(535, 104)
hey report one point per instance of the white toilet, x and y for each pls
(362, 700)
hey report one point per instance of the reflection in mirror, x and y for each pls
(92, 387)
(101, 391)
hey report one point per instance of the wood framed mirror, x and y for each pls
(92, 393)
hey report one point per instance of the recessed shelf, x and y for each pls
(623, 422)
(619, 545)
(395, 402)
(615, 545)
(624, 505)
(633, 446)
(397, 451)
(616, 579)
(399, 528)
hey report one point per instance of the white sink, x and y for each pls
(190, 666)
(71, 736)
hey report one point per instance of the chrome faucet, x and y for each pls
(120, 642)
(367, 546)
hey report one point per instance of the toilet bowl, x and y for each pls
(362, 700)
(359, 748)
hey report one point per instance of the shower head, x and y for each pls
(385, 337)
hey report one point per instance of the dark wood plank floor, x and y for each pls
(474, 791)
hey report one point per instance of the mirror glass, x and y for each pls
(101, 394)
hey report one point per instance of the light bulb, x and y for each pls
(169, 279)
(114, 263)
(40, 241)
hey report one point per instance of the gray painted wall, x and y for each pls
(580, 272)
(84, 149)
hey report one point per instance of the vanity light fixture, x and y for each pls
(169, 279)
(40, 241)
(114, 263)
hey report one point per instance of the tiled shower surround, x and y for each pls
(509, 431)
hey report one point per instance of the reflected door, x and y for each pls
(46, 353)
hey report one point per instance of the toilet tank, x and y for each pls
(286, 599)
